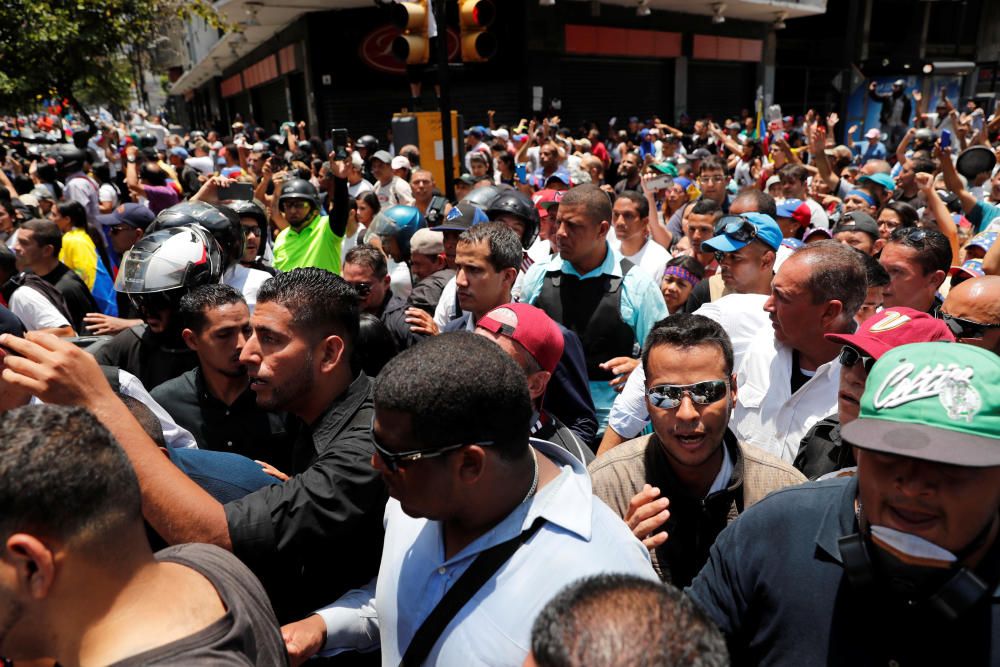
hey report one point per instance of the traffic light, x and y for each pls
(474, 17)
(412, 47)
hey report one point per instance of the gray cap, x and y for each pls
(382, 156)
(858, 221)
(427, 242)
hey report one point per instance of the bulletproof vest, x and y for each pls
(37, 283)
(591, 309)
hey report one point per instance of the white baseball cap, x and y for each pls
(400, 162)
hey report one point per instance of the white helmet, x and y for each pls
(167, 259)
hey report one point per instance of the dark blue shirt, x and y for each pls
(776, 587)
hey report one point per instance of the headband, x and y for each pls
(864, 195)
(682, 273)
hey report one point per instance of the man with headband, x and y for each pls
(896, 565)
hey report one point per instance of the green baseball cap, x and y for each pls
(932, 401)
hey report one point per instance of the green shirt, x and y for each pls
(313, 245)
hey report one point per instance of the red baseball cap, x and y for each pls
(544, 199)
(894, 327)
(530, 327)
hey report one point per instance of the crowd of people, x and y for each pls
(722, 393)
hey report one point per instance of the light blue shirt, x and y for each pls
(641, 307)
(581, 536)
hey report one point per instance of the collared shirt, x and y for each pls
(581, 536)
(247, 281)
(741, 315)
(785, 600)
(768, 415)
(241, 428)
(641, 306)
(319, 533)
(314, 245)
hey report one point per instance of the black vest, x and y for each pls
(46, 289)
(592, 310)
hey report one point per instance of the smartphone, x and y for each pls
(522, 172)
(945, 139)
(339, 137)
(243, 191)
(660, 182)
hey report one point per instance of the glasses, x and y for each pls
(118, 229)
(294, 204)
(363, 289)
(737, 228)
(154, 302)
(395, 460)
(850, 356)
(248, 230)
(711, 179)
(669, 396)
(967, 328)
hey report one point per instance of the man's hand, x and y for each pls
(924, 181)
(647, 512)
(832, 120)
(304, 639)
(99, 324)
(54, 370)
(851, 130)
(872, 86)
(917, 96)
(338, 167)
(421, 322)
(621, 367)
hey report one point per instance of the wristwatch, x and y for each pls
(130, 159)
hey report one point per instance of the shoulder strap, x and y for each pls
(111, 375)
(485, 566)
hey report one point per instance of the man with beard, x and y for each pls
(629, 170)
(214, 400)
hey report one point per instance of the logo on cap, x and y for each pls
(951, 384)
(960, 399)
(892, 320)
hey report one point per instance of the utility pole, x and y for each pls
(444, 97)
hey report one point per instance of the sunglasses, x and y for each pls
(118, 229)
(669, 396)
(967, 328)
(155, 302)
(248, 230)
(395, 460)
(737, 228)
(850, 356)
(363, 289)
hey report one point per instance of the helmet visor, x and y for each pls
(154, 270)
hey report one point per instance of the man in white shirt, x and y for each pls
(390, 189)
(630, 220)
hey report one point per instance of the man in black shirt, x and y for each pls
(214, 400)
(37, 248)
(365, 269)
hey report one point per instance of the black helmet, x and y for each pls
(483, 197)
(221, 221)
(147, 140)
(514, 203)
(252, 209)
(299, 188)
(368, 142)
(67, 157)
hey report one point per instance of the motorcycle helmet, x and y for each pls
(147, 140)
(518, 205)
(397, 223)
(369, 143)
(252, 209)
(67, 158)
(221, 222)
(483, 197)
(299, 188)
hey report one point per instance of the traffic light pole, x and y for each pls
(444, 97)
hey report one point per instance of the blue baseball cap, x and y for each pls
(768, 232)
(885, 180)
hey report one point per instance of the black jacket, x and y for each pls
(887, 101)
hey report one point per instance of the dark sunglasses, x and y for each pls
(967, 328)
(248, 230)
(395, 460)
(850, 356)
(737, 228)
(363, 289)
(118, 229)
(669, 396)
(154, 302)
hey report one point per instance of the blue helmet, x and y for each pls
(397, 222)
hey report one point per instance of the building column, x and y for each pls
(680, 87)
(765, 73)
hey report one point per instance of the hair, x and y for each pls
(196, 302)
(933, 251)
(151, 172)
(837, 273)
(593, 200)
(794, 172)
(907, 214)
(620, 619)
(8, 260)
(875, 274)
(506, 251)
(923, 165)
(713, 163)
(439, 384)
(686, 330)
(45, 232)
(688, 263)
(375, 345)
(640, 201)
(764, 203)
(371, 199)
(705, 206)
(369, 256)
(63, 476)
(147, 419)
(506, 158)
(322, 303)
(75, 211)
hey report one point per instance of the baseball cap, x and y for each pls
(43, 193)
(857, 221)
(461, 217)
(884, 180)
(984, 240)
(894, 327)
(797, 210)
(872, 134)
(899, 82)
(135, 215)
(477, 130)
(559, 175)
(383, 156)
(768, 232)
(812, 230)
(529, 326)
(180, 152)
(970, 268)
(937, 402)
(700, 154)
(427, 242)
(400, 162)
(772, 180)
(501, 134)
(546, 199)
(668, 168)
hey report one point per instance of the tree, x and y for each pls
(78, 49)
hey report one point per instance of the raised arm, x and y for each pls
(951, 179)
(945, 223)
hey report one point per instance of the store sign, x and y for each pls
(375, 49)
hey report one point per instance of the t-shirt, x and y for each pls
(357, 189)
(35, 310)
(316, 244)
(247, 634)
(396, 191)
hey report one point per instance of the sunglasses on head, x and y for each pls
(850, 356)
(737, 228)
(395, 460)
(669, 396)
(967, 328)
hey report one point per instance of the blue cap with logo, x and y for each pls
(732, 238)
